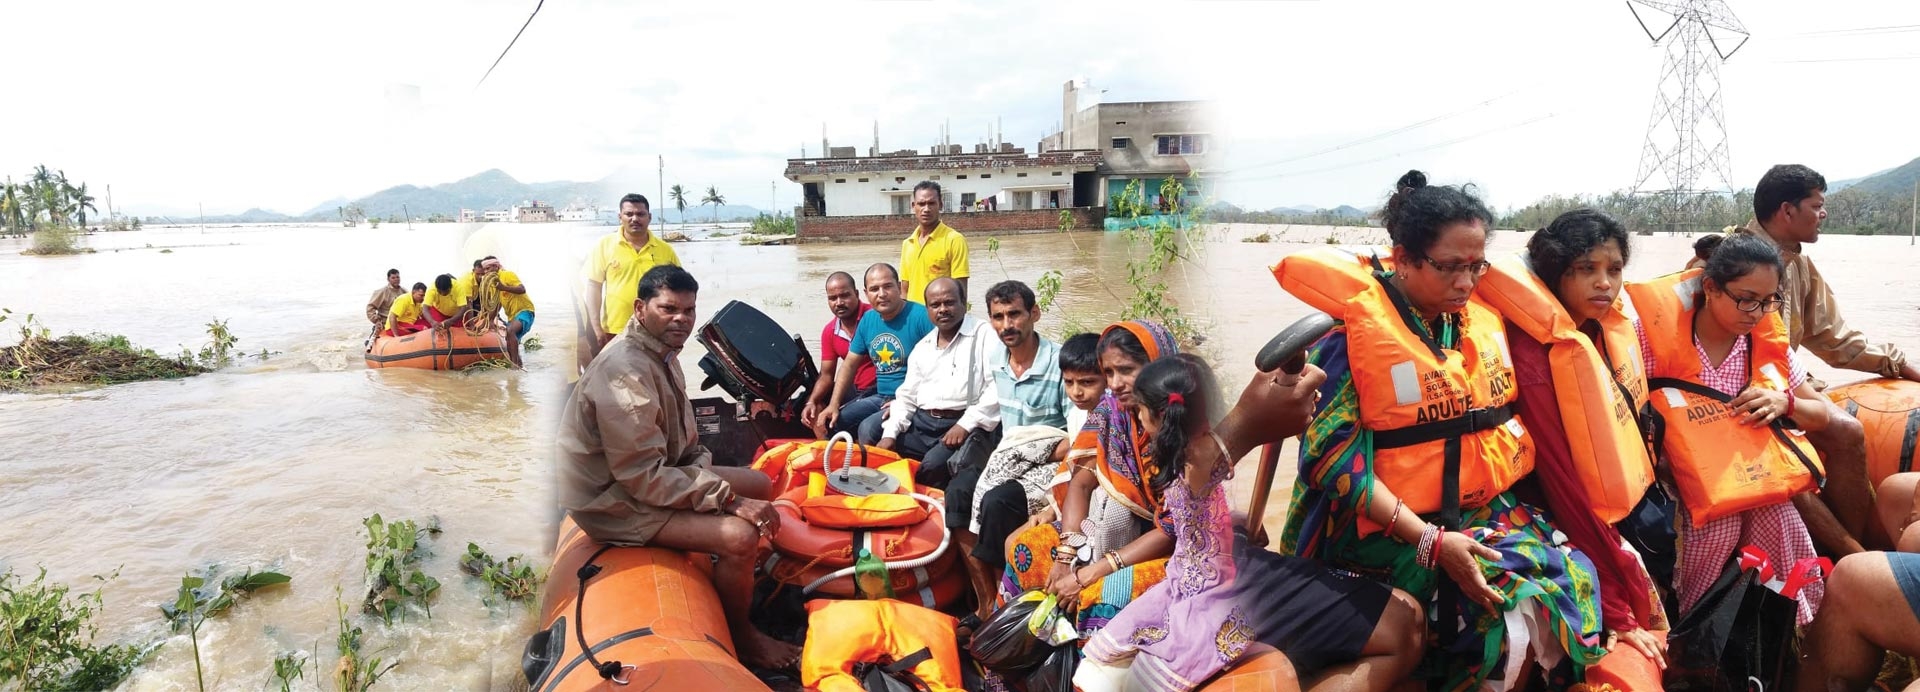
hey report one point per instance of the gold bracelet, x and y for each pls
(1114, 559)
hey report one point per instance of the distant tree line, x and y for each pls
(47, 199)
(1852, 211)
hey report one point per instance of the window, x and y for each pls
(1119, 122)
(839, 180)
(966, 201)
(1019, 175)
(1180, 145)
(962, 176)
(863, 180)
(899, 180)
(1121, 142)
(900, 205)
(1056, 173)
(984, 176)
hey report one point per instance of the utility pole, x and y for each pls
(203, 218)
(109, 205)
(409, 214)
(773, 193)
(1913, 217)
(662, 181)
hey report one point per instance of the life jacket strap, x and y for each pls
(1475, 420)
(1778, 427)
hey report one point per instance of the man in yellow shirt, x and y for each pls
(513, 302)
(405, 316)
(933, 250)
(446, 305)
(613, 270)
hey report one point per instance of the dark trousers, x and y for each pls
(953, 469)
(864, 404)
(1002, 511)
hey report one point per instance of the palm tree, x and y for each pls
(10, 212)
(678, 194)
(82, 202)
(714, 198)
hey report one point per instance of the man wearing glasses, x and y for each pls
(1788, 206)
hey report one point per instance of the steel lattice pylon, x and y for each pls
(1685, 155)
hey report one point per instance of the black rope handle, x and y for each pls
(610, 669)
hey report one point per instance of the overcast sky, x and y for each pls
(285, 106)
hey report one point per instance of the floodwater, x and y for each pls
(274, 463)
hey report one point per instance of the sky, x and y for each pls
(281, 106)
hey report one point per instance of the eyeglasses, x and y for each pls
(1475, 269)
(1771, 304)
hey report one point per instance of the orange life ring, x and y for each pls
(835, 547)
(937, 585)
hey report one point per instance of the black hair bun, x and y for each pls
(1413, 180)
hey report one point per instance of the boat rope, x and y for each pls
(609, 670)
(486, 296)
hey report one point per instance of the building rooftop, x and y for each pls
(1076, 158)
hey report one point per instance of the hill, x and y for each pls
(1896, 181)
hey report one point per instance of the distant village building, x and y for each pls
(576, 212)
(471, 215)
(534, 212)
(496, 215)
(1148, 141)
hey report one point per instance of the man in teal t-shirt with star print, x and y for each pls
(885, 336)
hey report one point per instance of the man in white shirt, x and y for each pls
(948, 396)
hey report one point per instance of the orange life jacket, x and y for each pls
(1721, 466)
(843, 634)
(1600, 388)
(1422, 402)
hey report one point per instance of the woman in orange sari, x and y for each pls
(1117, 538)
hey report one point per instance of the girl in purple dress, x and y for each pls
(1143, 648)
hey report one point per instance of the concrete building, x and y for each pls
(844, 195)
(534, 212)
(1147, 141)
(471, 215)
(576, 212)
(496, 215)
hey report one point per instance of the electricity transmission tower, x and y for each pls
(1685, 159)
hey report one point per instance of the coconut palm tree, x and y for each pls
(81, 203)
(678, 194)
(714, 198)
(11, 215)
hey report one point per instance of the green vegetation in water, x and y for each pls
(47, 638)
(486, 364)
(56, 240)
(776, 224)
(1264, 237)
(353, 673)
(40, 360)
(393, 574)
(532, 343)
(210, 600)
(513, 579)
(289, 667)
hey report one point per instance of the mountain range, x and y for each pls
(491, 189)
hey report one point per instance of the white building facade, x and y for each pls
(883, 185)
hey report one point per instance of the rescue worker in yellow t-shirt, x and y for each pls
(612, 274)
(510, 294)
(405, 316)
(446, 304)
(933, 250)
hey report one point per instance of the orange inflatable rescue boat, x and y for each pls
(652, 610)
(432, 349)
(1889, 409)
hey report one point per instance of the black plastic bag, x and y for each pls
(1738, 637)
(1056, 673)
(1004, 644)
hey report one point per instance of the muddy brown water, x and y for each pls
(273, 463)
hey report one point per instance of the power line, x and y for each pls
(1382, 135)
(1398, 154)
(1870, 59)
(516, 39)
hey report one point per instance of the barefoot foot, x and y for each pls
(757, 650)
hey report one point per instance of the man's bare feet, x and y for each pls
(757, 650)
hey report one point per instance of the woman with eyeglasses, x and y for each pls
(1406, 470)
(1731, 401)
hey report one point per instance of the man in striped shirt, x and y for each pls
(1027, 372)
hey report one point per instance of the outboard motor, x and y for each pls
(753, 359)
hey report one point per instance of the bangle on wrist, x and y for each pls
(1395, 521)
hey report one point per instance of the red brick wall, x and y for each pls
(819, 229)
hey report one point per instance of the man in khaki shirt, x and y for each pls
(1788, 205)
(632, 470)
(382, 301)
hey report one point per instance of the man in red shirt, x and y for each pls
(843, 299)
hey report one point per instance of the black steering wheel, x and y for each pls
(1288, 349)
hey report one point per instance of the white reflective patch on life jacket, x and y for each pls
(1406, 383)
(1674, 398)
(1506, 359)
(1686, 290)
(1626, 307)
(1514, 427)
(1771, 371)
